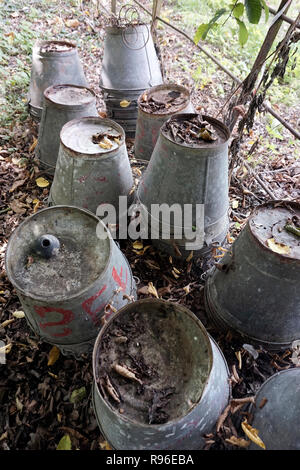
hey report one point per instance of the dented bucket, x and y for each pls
(156, 106)
(62, 103)
(160, 381)
(68, 280)
(93, 165)
(276, 414)
(130, 65)
(194, 174)
(255, 292)
(53, 62)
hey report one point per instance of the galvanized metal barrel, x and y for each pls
(53, 62)
(276, 414)
(130, 65)
(89, 172)
(149, 123)
(262, 275)
(183, 174)
(62, 103)
(67, 279)
(171, 355)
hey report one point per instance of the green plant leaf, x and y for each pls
(253, 9)
(203, 29)
(243, 32)
(64, 443)
(266, 8)
(238, 10)
(78, 395)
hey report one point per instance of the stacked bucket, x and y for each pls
(160, 380)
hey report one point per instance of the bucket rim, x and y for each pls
(98, 155)
(72, 47)
(115, 29)
(185, 311)
(51, 88)
(64, 297)
(173, 87)
(211, 120)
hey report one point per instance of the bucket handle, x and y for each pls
(126, 42)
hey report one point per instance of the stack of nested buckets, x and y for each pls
(160, 380)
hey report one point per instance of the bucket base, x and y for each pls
(35, 112)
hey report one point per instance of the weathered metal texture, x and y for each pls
(87, 175)
(130, 65)
(50, 68)
(66, 296)
(264, 301)
(208, 383)
(183, 174)
(278, 419)
(149, 124)
(62, 103)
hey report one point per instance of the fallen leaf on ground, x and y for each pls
(42, 182)
(278, 247)
(152, 290)
(105, 445)
(33, 145)
(53, 356)
(19, 314)
(78, 395)
(124, 103)
(252, 433)
(7, 322)
(238, 441)
(64, 443)
(72, 23)
(16, 185)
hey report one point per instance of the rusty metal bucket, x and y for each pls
(180, 382)
(53, 62)
(130, 65)
(183, 174)
(264, 301)
(67, 279)
(88, 174)
(277, 420)
(149, 123)
(62, 103)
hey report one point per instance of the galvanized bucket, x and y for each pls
(87, 174)
(182, 174)
(53, 62)
(62, 103)
(130, 65)
(171, 355)
(68, 280)
(149, 123)
(264, 302)
(276, 414)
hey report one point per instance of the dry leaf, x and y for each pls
(235, 204)
(110, 389)
(237, 441)
(72, 23)
(105, 144)
(152, 290)
(19, 314)
(5, 349)
(42, 182)
(126, 372)
(53, 356)
(7, 322)
(105, 446)
(124, 103)
(187, 289)
(175, 274)
(252, 433)
(19, 404)
(17, 206)
(33, 145)
(278, 247)
(3, 436)
(190, 257)
(138, 245)
(16, 185)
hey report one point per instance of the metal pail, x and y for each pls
(276, 414)
(86, 174)
(255, 292)
(53, 62)
(66, 291)
(180, 382)
(149, 123)
(196, 175)
(62, 103)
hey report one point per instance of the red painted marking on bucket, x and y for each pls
(87, 306)
(118, 278)
(82, 179)
(68, 317)
(100, 179)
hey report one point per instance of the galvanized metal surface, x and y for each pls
(129, 66)
(149, 124)
(62, 103)
(50, 68)
(264, 301)
(65, 297)
(208, 381)
(189, 175)
(278, 420)
(87, 175)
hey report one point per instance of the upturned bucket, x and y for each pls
(62, 103)
(160, 381)
(155, 107)
(130, 65)
(194, 174)
(92, 166)
(53, 62)
(68, 280)
(255, 292)
(276, 414)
